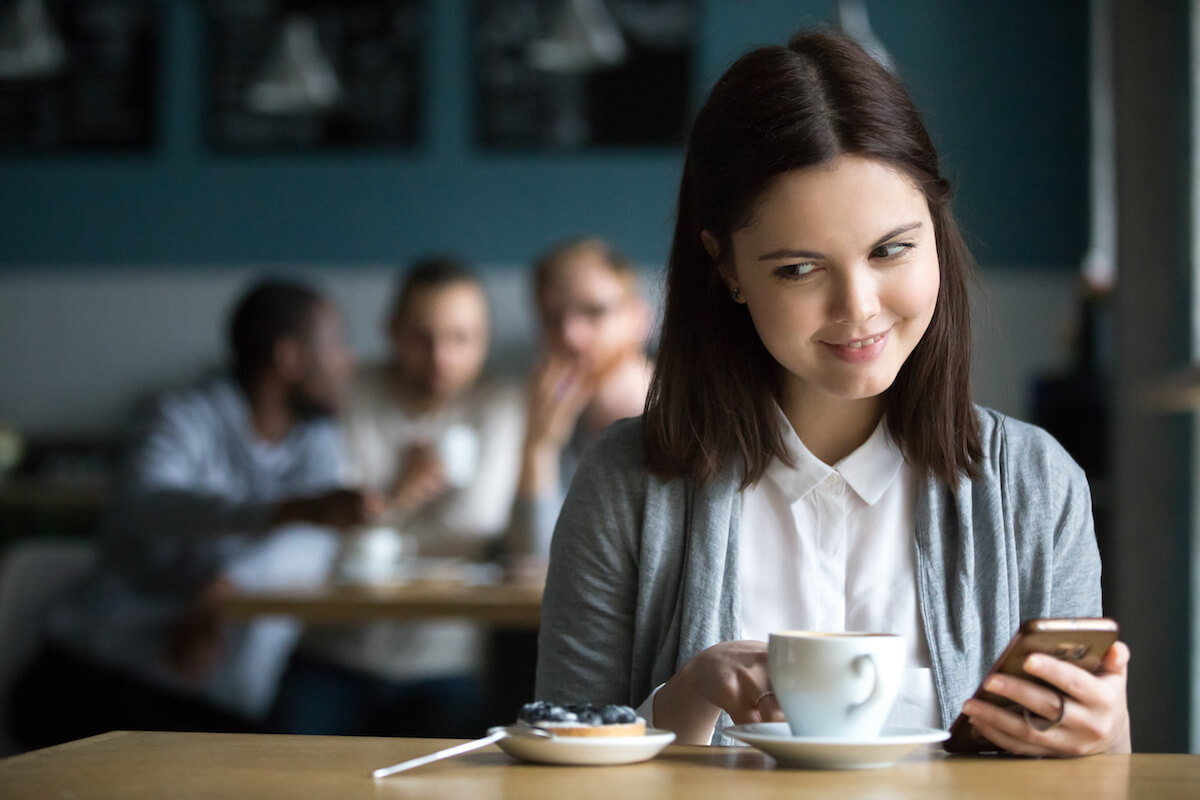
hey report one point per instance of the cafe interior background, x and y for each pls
(157, 154)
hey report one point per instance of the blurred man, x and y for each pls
(223, 488)
(594, 371)
(453, 495)
(442, 445)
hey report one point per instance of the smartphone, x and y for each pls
(1081, 641)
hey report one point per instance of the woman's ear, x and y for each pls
(724, 268)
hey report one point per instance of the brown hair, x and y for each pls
(551, 263)
(430, 272)
(775, 110)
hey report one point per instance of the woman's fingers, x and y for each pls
(749, 685)
(1044, 702)
(1013, 744)
(770, 710)
(1115, 661)
(1069, 679)
(1008, 728)
(738, 679)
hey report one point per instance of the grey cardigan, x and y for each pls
(643, 572)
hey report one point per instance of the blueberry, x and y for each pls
(590, 716)
(541, 711)
(583, 713)
(617, 715)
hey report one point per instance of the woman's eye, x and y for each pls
(796, 270)
(891, 249)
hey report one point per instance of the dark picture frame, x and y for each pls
(297, 75)
(582, 74)
(79, 76)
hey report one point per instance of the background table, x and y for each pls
(511, 613)
(514, 606)
(131, 766)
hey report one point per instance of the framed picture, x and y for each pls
(313, 74)
(573, 74)
(79, 75)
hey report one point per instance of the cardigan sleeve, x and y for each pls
(585, 646)
(1075, 587)
(1055, 532)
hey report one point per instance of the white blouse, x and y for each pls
(826, 548)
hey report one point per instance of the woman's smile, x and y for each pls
(857, 351)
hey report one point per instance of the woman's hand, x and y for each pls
(731, 677)
(559, 391)
(1092, 709)
(420, 479)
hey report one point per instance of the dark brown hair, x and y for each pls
(431, 272)
(775, 110)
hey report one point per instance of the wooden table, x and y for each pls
(503, 606)
(31, 507)
(130, 766)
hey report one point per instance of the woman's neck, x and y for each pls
(412, 402)
(831, 427)
(620, 392)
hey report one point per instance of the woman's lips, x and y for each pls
(858, 351)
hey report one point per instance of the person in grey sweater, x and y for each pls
(809, 448)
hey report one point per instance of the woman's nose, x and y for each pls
(575, 331)
(857, 297)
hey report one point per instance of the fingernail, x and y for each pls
(993, 684)
(1034, 661)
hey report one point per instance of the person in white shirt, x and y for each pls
(442, 445)
(810, 456)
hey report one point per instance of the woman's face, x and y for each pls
(839, 269)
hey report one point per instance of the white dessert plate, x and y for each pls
(585, 750)
(813, 752)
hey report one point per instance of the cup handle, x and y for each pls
(858, 665)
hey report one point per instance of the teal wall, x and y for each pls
(1003, 86)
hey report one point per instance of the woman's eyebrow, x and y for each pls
(912, 226)
(776, 255)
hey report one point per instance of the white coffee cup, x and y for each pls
(373, 554)
(458, 449)
(835, 685)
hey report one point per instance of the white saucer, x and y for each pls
(776, 740)
(587, 750)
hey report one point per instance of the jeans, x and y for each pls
(320, 697)
(61, 697)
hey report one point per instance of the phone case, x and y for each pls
(1082, 641)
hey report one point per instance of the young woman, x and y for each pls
(809, 456)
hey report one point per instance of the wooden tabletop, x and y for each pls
(505, 606)
(136, 765)
(90, 494)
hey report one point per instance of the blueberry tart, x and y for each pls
(583, 719)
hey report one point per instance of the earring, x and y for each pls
(736, 294)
